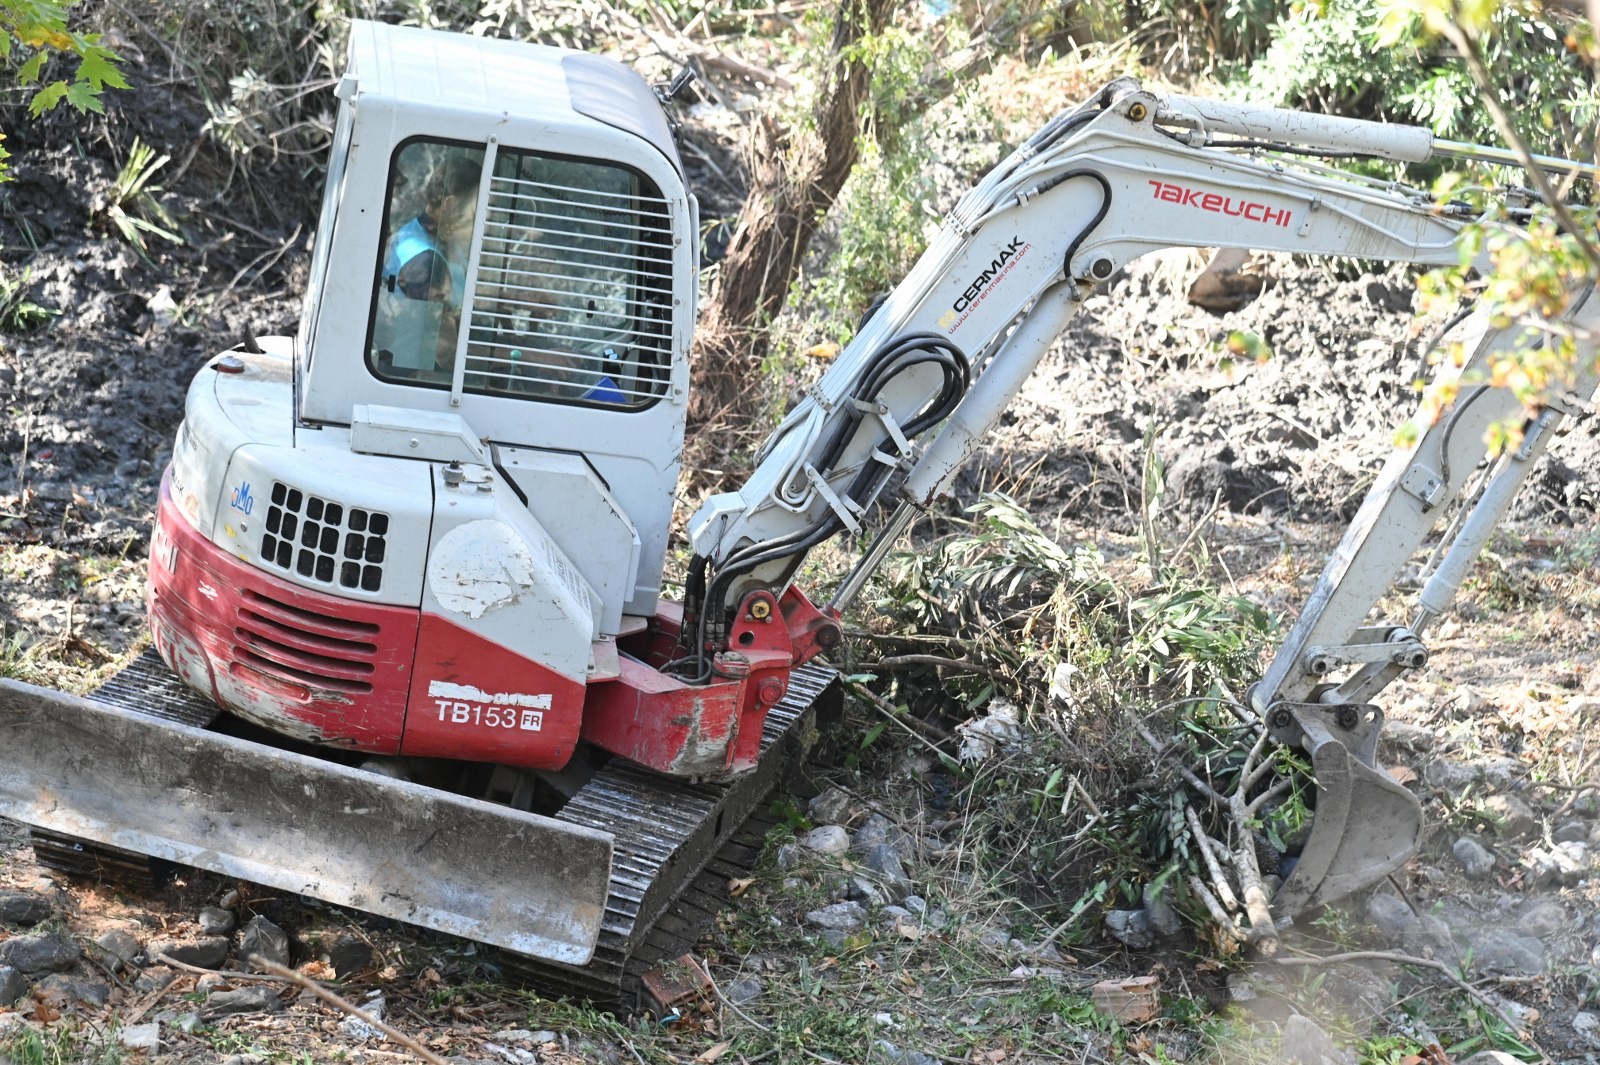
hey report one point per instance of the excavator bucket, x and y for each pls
(1365, 825)
(469, 868)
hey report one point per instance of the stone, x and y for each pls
(119, 947)
(347, 954)
(833, 807)
(66, 989)
(1390, 914)
(915, 903)
(1544, 918)
(12, 985)
(215, 921)
(1492, 1057)
(154, 980)
(743, 992)
(524, 1037)
(1513, 818)
(831, 840)
(266, 940)
(1131, 927)
(885, 862)
(1564, 864)
(879, 831)
(1305, 1043)
(208, 952)
(1476, 859)
(1587, 1027)
(1163, 916)
(1448, 775)
(1503, 951)
(37, 954)
(839, 917)
(145, 1037)
(788, 856)
(1570, 832)
(1406, 736)
(255, 999)
(867, 890)
(899, 1056)
(360, 1031)
(19, 908)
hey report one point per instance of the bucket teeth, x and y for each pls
(1366, 824)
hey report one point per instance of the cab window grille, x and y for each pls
(573, 295)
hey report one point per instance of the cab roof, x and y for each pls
(493, 76)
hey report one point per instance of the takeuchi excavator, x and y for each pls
(422, 542)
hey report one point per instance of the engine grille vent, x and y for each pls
(303, 647)
(323, 541)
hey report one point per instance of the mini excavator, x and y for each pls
(422, 542)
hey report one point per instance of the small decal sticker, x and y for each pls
(242, 499)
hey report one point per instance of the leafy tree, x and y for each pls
(33, 33)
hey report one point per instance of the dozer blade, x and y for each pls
(1365, 825)
(489, 873)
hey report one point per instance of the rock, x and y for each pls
(866, 889)
(244, 1059)
(215, 921)
(1305, 1043)
(523, 1037)
(1406, 736)
(360, 1031)
(788, 856)
(743, 992)
(254, 999)
(1543, 919)
(1492, 1057)
(833, 807)
(212, 982)
(1390, 914)
(915, 903)
(1571, 832)
(1447, 775)
(995, 938)
(899, 1056)
(229, 900)
(831, 840)
(120, 948)
(1227, 283)
(38, 954)
(883, 861)
(877, 831)
(1513, 818)
(1476, 859)
(153, 979)
(841, 917)
(12, 985)
(1564, 863)
(264, 939)
(66, 990)
(146, 1037)
(347, 954)
(1587, 1027)
(1504, 951)
(207, 953)
(18, 908)
(1164, 919)
(1131, 927)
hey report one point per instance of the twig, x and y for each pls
(346, 1006)
(881, 705)
(1263, 933)
(1198, 834)
(904, 661)
(1422, 963)
(1187, 774)
(1225, 924)
(224, 973)
(717, 991)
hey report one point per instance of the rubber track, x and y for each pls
(677, 843)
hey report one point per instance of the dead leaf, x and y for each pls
(739, 885)
(823, 351)
(1403, 774)
(709, 1056)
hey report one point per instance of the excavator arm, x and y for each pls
(934, 367)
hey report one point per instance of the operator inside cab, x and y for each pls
(567, 301)
(424, 272)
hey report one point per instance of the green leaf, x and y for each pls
(85, 97)
(29, 71)
(47, 98)
(98, 69)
